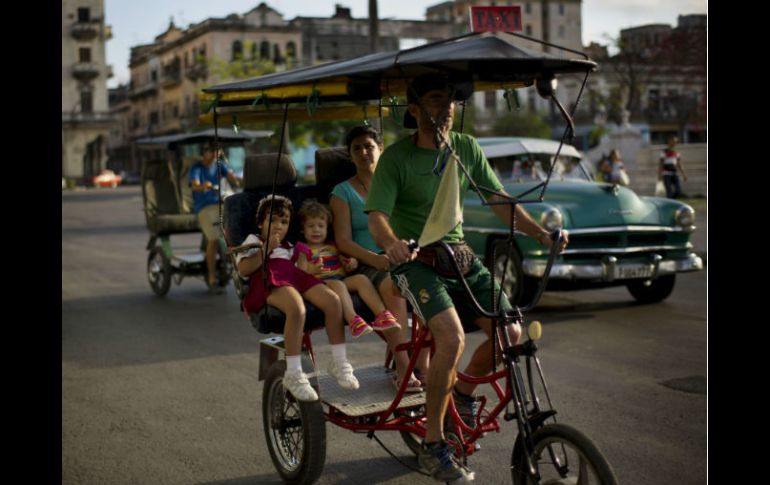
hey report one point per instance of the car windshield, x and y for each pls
(535, 167)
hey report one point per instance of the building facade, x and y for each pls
(168, 75)
(659, 77)
(555, 21)
(86, 120)
(341, 36)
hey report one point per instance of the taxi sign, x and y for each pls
(495, 19)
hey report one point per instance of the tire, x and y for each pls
(159, 271)
(652, 291)
(224, 269)
(585, 463)
(295, 431)
(520, 288)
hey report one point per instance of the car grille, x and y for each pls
(617, 240)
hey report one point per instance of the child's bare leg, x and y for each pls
(363, 286)
(325, 299)
(339, 288)
(289, 301)
(328, 302)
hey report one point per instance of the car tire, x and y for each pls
(652, 291)
(519, 287)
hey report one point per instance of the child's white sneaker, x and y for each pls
(297, 384)
(343, 372)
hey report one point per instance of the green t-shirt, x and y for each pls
(404, 184)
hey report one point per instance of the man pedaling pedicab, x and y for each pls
(400, 202)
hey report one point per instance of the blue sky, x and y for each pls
(139, 21)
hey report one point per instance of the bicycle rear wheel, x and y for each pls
(564, 456)
(295, 430)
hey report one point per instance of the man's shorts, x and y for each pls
(207, 217)
(430, 294)
(375, 275)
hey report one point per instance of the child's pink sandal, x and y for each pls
(385, 320)
(358, 327)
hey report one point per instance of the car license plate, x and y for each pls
(625, 273)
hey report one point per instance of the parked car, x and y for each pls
(616, 236)
(130, 178)
(107, 178)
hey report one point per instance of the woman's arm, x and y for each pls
(343, 234)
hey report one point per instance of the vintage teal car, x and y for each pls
(616, 236)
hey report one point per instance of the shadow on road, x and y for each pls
(354, 472)
(139, 328)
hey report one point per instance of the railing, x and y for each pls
(85, 70)
(95, 117)
(85, 30)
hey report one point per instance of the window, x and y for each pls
(86, 102)
(528, 29)
(653, 99)
(527, 7)
(237, 50)
(291, 50)
(84, 54)
(561, 9)
(154, 118)
(84, 14)
(490, 100)
(277, 54)
(561, 31)
(153, 75)
(264, 50)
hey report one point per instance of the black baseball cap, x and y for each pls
(429, 82)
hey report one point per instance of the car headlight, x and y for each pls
(685, 217)
(551, 220)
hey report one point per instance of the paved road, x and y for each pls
(164, 391)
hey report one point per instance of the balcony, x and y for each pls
(85, 71)
(197, 71)
(171, 80)
(85, 30)
(94, 118)
(149, 89)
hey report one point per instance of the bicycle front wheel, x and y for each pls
(563, 456)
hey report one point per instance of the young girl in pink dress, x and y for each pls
(285, 286)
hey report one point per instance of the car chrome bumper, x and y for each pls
(610, 269)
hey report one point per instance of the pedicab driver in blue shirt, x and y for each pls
(400, 203)
(204, 181)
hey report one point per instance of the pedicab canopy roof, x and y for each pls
(487, 60)
(223, 134)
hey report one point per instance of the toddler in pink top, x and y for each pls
(324, 260)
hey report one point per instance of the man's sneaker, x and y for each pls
(343, 372)
(467, 407)
(359, 327)
(437, 459)
(297, 384)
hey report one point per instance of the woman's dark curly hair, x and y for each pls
(360, 130)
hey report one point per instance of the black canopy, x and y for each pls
(223, 134)
(490, 57)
